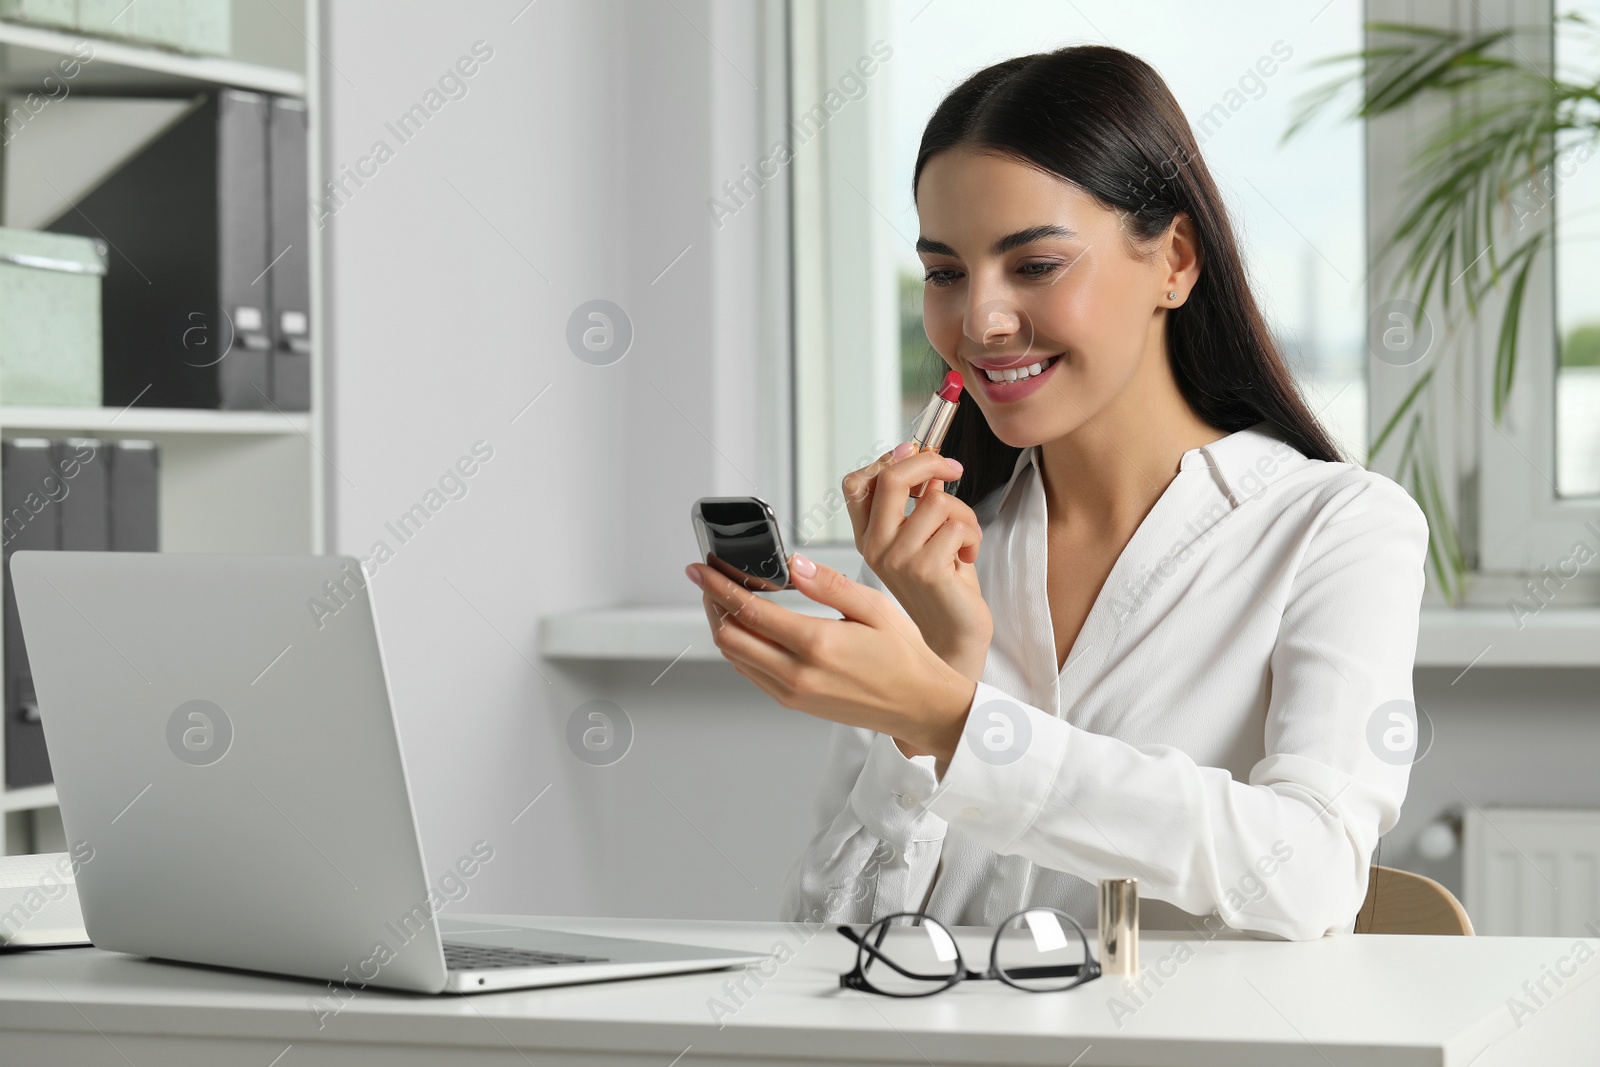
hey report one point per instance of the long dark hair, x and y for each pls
(1104, 120)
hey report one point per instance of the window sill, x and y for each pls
(1490, 637)
(644, 633)
(1484, 637)
(627, 633)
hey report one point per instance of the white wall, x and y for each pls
(580, 162)
(577, 166)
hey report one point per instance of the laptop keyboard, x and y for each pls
(460, 956)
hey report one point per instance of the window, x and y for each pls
(1520, 491)
(863, 365)
(1526, 486)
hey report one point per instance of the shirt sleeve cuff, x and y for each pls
(1003, 770)
(891, 794)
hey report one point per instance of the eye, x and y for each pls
(940, 277)
(1041, 269)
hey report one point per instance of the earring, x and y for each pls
(1172, 295)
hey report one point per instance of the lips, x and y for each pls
(1013, 381)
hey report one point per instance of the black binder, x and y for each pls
(186, 300)
(31, 492)
(135, 495)
(85, 521)
(291, 250)
(75, 494)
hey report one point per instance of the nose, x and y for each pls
(993, 322)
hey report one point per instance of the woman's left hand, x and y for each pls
(870, 669)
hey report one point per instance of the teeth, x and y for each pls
(1017, 374)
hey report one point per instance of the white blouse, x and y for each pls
(1231, 726)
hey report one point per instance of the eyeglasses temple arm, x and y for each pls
(1060, 970)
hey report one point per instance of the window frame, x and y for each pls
(838, 301)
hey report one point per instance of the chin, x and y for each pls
(1019, 434)
(1020, 431)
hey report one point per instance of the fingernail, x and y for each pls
(956, 463)
(904, 449)
(802, 566)
(694, 575)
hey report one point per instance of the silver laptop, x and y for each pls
(225, 755)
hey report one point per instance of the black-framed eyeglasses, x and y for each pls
(1042, 958)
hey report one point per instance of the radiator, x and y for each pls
(1532, 872)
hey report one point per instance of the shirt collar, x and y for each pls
(1247, 461)
(1024, 461)
(1243, 463)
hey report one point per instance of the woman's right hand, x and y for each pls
(925, 559)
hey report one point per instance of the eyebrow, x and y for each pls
(1005, 244)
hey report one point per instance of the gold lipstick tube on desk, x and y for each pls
(1119, 926)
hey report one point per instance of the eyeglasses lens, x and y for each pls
(913, 959)
(1040, 951)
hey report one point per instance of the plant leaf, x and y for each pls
(1405, 405)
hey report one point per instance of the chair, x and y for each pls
(1399, 902)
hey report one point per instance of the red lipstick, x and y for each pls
(934, 422)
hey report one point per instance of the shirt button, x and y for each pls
(972, 813)
(906, 800)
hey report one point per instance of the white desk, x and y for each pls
(1350, 1001)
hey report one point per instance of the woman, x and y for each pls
(1159, 628)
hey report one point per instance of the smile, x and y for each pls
(1017, 374)
(1010, 385)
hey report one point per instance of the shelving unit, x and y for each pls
(231, 481)
(29, 53)
(29, 798)
(128, 422)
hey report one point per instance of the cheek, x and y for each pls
(941, 321)
(1083, 308)
(1099, 319)
(1069, 317)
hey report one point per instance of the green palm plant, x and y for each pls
(1477, 210)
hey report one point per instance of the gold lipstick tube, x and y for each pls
(1119, 926)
